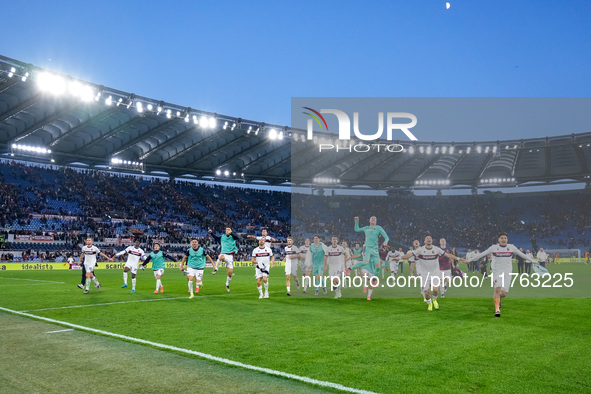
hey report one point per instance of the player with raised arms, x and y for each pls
(157, 257)
(88, 255)
(134, 253)
(502, 267)
(262, 257)
(229, 247)
(194, 262)
(427, 258)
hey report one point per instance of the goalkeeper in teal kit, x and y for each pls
(371, 264)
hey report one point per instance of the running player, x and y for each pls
(229, 246)
(157, 257)
(291, 261)
(194, 262)
(393, 257)
(306, 261)
(88, 255)
(445, 266)
(134, 253)
(317, 252)
(427, 257)
(357, 255)
(502, 266)
(372, 233)
(335, 258)
(263, 258)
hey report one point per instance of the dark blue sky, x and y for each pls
(248, 58)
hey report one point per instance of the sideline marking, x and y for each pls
(195, 353)
(56, 331)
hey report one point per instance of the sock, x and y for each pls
(260, 289)
(95, 280)
(125, 277)
(191, 286)
(133, 283)
(267, 287)
(443, 290)
(88, 283)
(435, 298)
(369, 291)
(197, 286)
(288, 287)
(158, 284)
(217, 264)
(306, 287)
(228, 280)
(429, 301)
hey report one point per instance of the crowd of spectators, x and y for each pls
(68, 204)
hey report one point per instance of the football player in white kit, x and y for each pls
(306, 260)
(134, 253)
(335, 259)
(412, 260)
(502, 266)
(263, 257)
(393, 257)
(264, 235)
(427, 257)
(291, 264)
(88, 255)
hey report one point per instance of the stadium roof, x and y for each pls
(50, 117)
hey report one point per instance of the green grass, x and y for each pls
(387, 345)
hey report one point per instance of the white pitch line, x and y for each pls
(133, 301)
(33, 280)
(206, 356)
(56, 331)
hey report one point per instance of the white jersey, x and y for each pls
(501, 256)
(267, 241)
(428, 259)
(90, 254)
(289, 251)
(393, 256)
(133, 254)
(412, 258)
(304, 258)
(335, 256)
(348, 257)
(469, 255)
(262, 257)
(542, 256)
(71, 260)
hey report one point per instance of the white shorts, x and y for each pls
(288, 265)
(502, 278)
(132, 268)
(89, 267)
(427, 278)
(369, 275)
(260, 272)
(197, 273)
(158, 272)
(228, 259)
(335, 270)
(294, 267)
(394, 266)
(446, 273)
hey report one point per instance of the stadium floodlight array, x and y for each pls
(227, 173)
(497, 180)
(127, 164)
(432, 182)
(326, 181)
(30, 149)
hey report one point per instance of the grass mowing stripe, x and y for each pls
(130, 302)
(195, 353)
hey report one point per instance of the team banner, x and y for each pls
(377, 210)
(36, 238)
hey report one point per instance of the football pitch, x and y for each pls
(56, 339)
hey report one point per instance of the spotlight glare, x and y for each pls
(212, 122)
(218, 172)
(273, 134)
(226, 173)
(203, 121)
